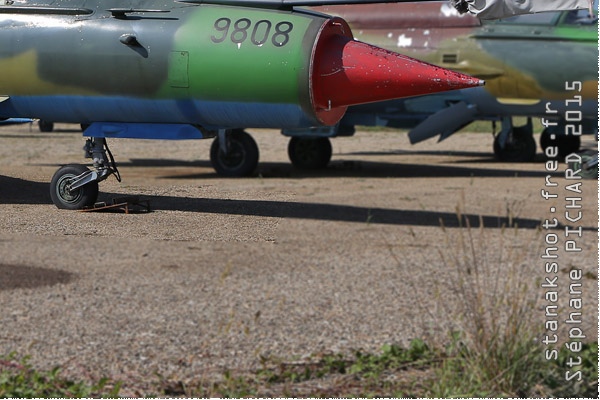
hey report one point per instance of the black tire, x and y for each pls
(45, 126)
(520, 147)
(242, 158)
(85, 196)
(566, 144)
(310, 153)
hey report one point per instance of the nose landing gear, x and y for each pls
(74, 186)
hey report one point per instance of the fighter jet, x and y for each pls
(190, 69)
(540, 65)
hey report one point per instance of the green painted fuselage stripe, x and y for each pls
(242, 54)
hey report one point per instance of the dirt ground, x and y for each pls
(286, 264)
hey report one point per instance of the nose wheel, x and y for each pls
(62, 193)
(75, 186)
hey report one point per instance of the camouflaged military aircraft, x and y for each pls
(539, 65)
(190, 69)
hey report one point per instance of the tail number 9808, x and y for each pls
(259, 33)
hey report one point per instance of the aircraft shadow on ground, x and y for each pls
(454, 153)
(472, 156)
(344, 169)
(19, 191)
(337, 169)
(340, 213)
(355, 168)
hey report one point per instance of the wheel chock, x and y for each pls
(128, 205)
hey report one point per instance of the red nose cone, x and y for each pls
(348, 72)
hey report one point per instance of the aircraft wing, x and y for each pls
(283, 4)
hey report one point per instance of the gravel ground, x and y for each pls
(284, 265)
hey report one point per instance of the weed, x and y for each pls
(392, 357)
(416, 371)
(19, 379)
(369, 216)
(234, 386)
(584, 383)
(495, 352)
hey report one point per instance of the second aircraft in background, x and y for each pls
(540, 65)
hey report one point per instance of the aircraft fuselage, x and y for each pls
(183, 63)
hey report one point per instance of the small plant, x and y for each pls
(492, 351)
(19, 379)
(392, 357)
(586, 387)
(235, 386)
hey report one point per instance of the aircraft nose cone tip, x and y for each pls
(350, 72)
